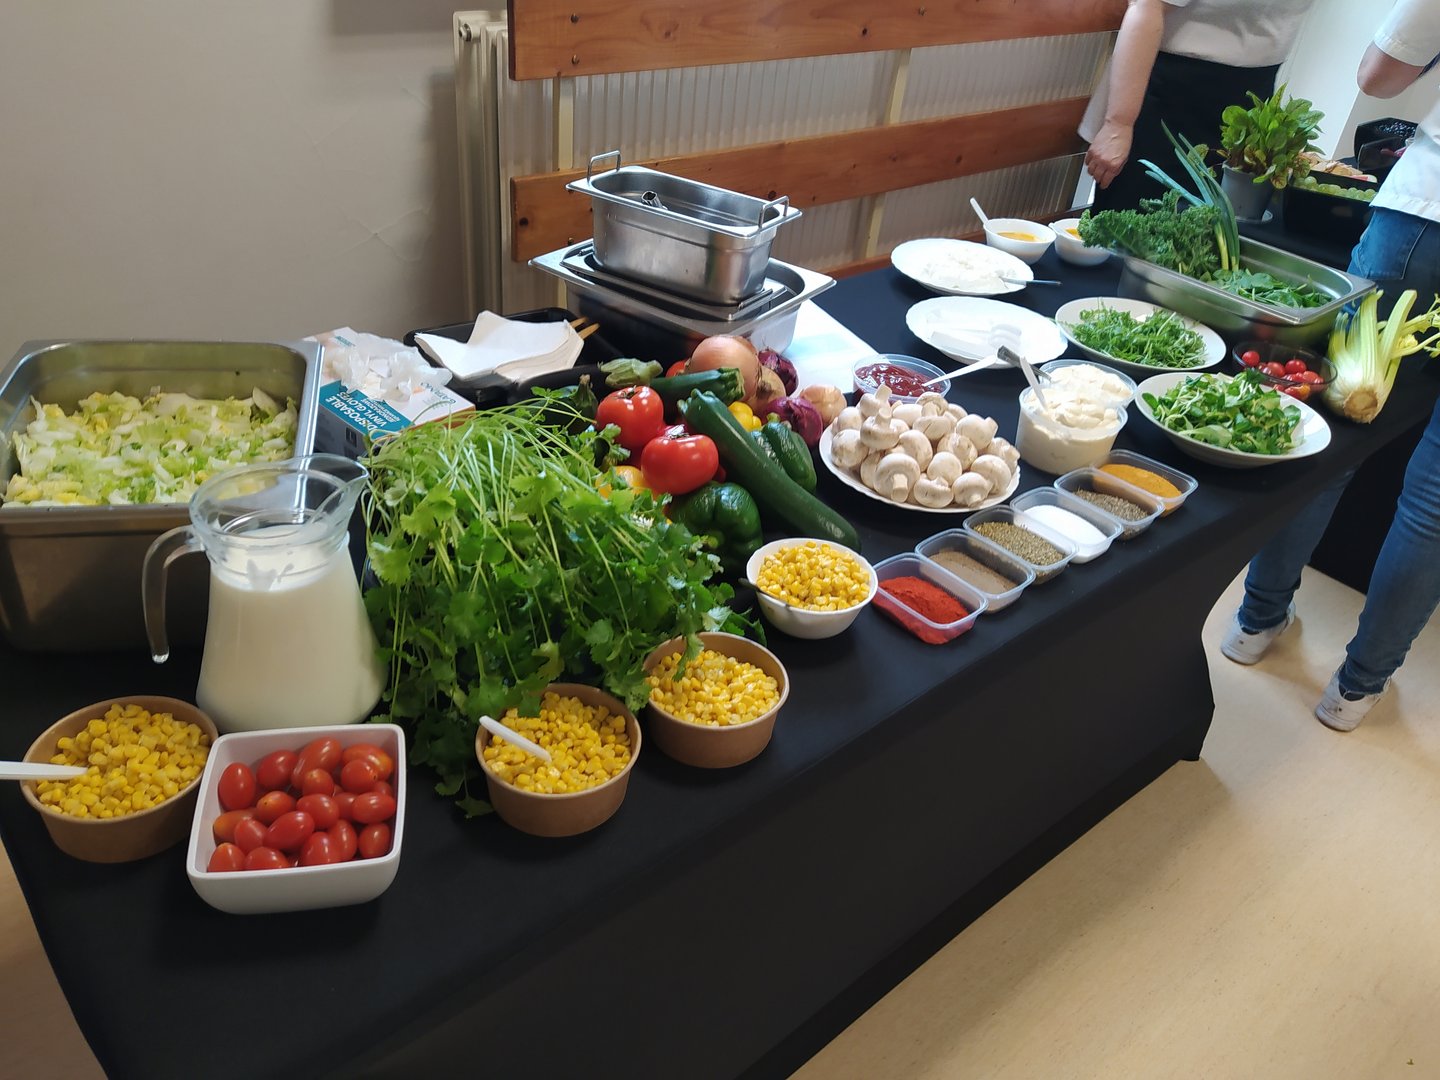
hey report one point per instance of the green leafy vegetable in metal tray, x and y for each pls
(1241, 413)
(501, 568)
(1162, 340)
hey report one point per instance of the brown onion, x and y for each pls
(727, 350)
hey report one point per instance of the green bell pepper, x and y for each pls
(725, 518)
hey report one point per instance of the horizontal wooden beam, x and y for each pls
(550, 38)
(821, 169)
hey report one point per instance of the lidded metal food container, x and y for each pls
(680, 235)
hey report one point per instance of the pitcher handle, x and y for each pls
(166, 549)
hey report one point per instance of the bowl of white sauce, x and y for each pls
(1075, 429)
(1096, 380)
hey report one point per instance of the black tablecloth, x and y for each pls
(721, 922)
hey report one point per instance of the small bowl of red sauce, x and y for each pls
(905, 375)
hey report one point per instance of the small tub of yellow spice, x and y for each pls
(718, 708)
(1170, 486)
(593, 741)
(142, 756)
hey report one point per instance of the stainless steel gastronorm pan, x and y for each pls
(1236, 319)
(70, 575)
(689, 238)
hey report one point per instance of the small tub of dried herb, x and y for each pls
(1045, 551)
(1135, 510)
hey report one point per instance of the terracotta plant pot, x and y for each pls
(1249, 198)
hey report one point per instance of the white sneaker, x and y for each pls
(1248, 646)
(1342, 710)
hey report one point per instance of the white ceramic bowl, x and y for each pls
(797, 622)
(300, 888)
(1026, 250)
(1071, 248)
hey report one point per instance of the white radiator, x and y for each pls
(506, 130)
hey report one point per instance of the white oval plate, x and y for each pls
(850, 480)
(935, 263)
(1314, 431)
(1070, 313)
(1040, 339)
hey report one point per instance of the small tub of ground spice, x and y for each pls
(1043, 550)
(1171, 486)
(1135, 510)
(992, 570)
(931, 603)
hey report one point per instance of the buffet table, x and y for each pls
(721, 924)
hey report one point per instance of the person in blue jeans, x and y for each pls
(1400, 250)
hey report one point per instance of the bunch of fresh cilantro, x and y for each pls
(500, 568)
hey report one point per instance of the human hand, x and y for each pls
(1109, 152)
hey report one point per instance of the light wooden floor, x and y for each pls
(1270, 911)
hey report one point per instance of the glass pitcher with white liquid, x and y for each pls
(287, 643)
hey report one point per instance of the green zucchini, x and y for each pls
(728, 384)
(746, 464)
(786, 446)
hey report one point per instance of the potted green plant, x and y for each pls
(1263, 147)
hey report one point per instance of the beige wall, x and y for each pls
(267, 168)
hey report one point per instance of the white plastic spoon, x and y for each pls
(974, 205)
(1024, 365)
(38, 770)
(1002, 335)
(490, 724)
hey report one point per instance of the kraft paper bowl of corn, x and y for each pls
(144, 756)
(592, 741)
(719, 709)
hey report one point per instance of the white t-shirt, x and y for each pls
(1239, 33)
(1411, 34)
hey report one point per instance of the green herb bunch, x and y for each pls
(1269, 138)
(1161, 340)
(500, 568)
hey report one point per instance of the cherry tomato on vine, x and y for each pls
(679, 463)
(1295, 366)
(1250, 358)
(637, 411)
(237, 787)
(227, 857)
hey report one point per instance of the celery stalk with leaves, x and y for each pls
(1367, 353)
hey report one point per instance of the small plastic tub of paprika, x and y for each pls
(905, 608)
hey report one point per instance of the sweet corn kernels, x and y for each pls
(814, 576)
(136, 760)
(714, 689)
(588, 745)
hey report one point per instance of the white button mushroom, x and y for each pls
(880, 432)
(868, 467)
(1002, 448)
(932, 493)
(969, 489)
(945, 468)
(961, 447)
(896, 475)
(994, 470)
(936, 427)
(931, 403)
(907, 413)
(957, 411)
(848, 449)
(979, 430)
(849, 419)
(917, 446)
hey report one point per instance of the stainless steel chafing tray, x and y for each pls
(683, 236)
(70, 575)
(1235, 318)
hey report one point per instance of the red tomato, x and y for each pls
(319, 849)
(273, 804)
(1273, 369)
(290, 831)
(1250, 358)
(373, 807)
(383, 762)
(266, 858)
(1311, 377)
(358, 776)
(275, 768)
(322, 808)
(224, 827)
(323, 753)
(250, 834)
(374, 841)
(227, 857)
(317, 782)
(346, 842)
(345, 801)
(679, 463)
(237, 786)
(1295, 366)
(383, 788)
(637, 411)
(1299, 391)
(677, 368)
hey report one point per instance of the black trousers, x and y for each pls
(1188, 95)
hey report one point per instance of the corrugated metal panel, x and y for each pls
(660, 113)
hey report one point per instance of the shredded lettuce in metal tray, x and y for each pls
(117, 450)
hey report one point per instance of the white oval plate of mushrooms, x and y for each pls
(928, 455)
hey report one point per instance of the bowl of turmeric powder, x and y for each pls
(143, 756)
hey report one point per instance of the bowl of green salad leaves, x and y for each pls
(1234, 421)
(1137, 336)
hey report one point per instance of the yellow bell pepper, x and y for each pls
(742, 412)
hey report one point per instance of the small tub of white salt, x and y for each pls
(1090, 531)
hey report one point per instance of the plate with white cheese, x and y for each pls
(961, 267)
